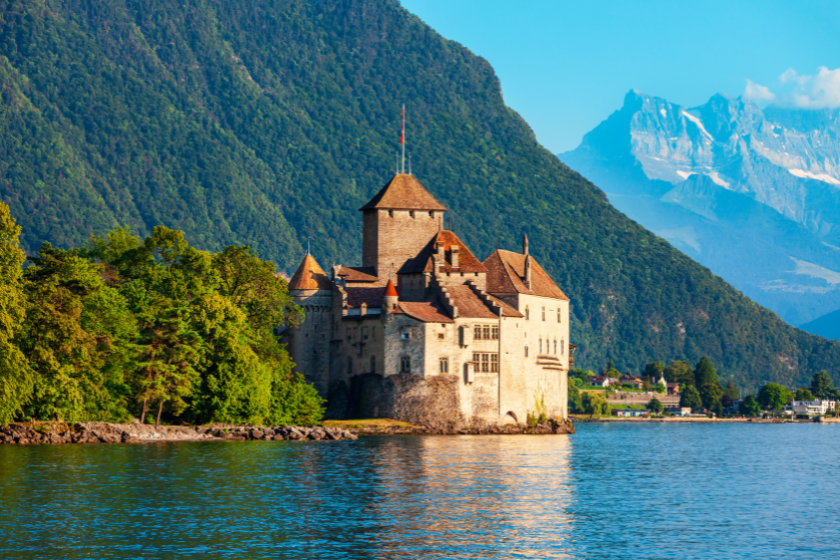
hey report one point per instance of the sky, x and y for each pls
(565, 66)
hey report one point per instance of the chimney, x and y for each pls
(440, 258)
(527, 265)
(525, 244)
(455, 256)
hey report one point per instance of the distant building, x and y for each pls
(630, 412)
(678, 410)
(423, 330)
(632, 380)
(811, 408)
(602, 381)
(672, 388)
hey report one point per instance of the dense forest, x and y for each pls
(149, 328)
(268, 123)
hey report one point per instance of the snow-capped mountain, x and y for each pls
(753, 194)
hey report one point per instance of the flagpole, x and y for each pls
(402, 138)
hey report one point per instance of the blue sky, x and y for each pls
(565, 66)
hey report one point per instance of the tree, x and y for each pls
(774, 396)
(653, 370)
(655, 406)
(710, 393)
(690, 397)
(575, 402)
(803, 395)
(821, 386)
(718, 409)
(660, 388)
(679, 372)
(749, 407)
(731, 391)
(594, 403)
(705, 373)
(16, 377)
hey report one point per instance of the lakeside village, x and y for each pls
(679, 390)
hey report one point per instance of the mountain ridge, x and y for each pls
(270, 124)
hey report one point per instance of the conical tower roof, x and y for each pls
(310, 276)
(390, 289)
(404, 192)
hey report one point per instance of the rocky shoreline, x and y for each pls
(105, 432)
(30, 433)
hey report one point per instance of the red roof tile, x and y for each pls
(404, 192)
(424, 311)
(507, 276)
(358, 273)
(371, 296)
(423, 262)
(310, 276)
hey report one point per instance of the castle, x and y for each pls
(425, 332)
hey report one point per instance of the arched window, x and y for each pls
(540, 345)
(405, 364)
(543, 313)
(527, 313)
(526, 350)
(559, 315)
(555, 345)
(373, 364)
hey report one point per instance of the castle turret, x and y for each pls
(391, 298)
(398, 223)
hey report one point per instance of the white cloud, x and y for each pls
(821, 91)
(757, 93)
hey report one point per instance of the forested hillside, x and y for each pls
(269, 123)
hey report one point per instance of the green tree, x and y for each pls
(803, 395)
(575, 402)
(595, 404)
(660, 388)
(680, 372)
(690, 397)
(774, 396)
(718, 409)
(750, 407)
(821, 386)
(654, 370)
(707, 382)
(655, 406)
(731, 391)
(16, 377)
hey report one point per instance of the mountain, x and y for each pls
(272, 123)
(753, 195)
(827, 326)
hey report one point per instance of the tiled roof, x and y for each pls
(404, 192)
(310, 276)
(371, 296)
(507, 310)
(423, 262)
(358, 273)
(423, 311)
(507, 275)
(469, 304)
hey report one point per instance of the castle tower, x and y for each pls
(398, 223)
(309, 343)
(390, 299)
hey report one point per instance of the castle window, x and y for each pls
(526, 350)
(373, 364)
(440, 336)
(390, 213)
(540, 345)
(494, 332)
(430, 215)
(486, 363)
(527, 313)
(543, 313)
(555, 345)
(486, 332)
(444, 365)
(477, 335)
(405, 336)
(559, 315)
(562, 346)
(494, 363)
(349, 366)
(405, 364)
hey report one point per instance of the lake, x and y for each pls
(611, 491)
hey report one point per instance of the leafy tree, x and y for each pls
(655, 406)
(16, 377)
(750, 407)
(705, 373)
(731, 391)
(654, 370)
(575, 401)
(690, 397)
(821, 386)
(680, 372)
(718, 409)
(803, 395)
(660, 388)
(774, 396)
(595, 403)
(582, 374)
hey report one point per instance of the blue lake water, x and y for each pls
(610, 491)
